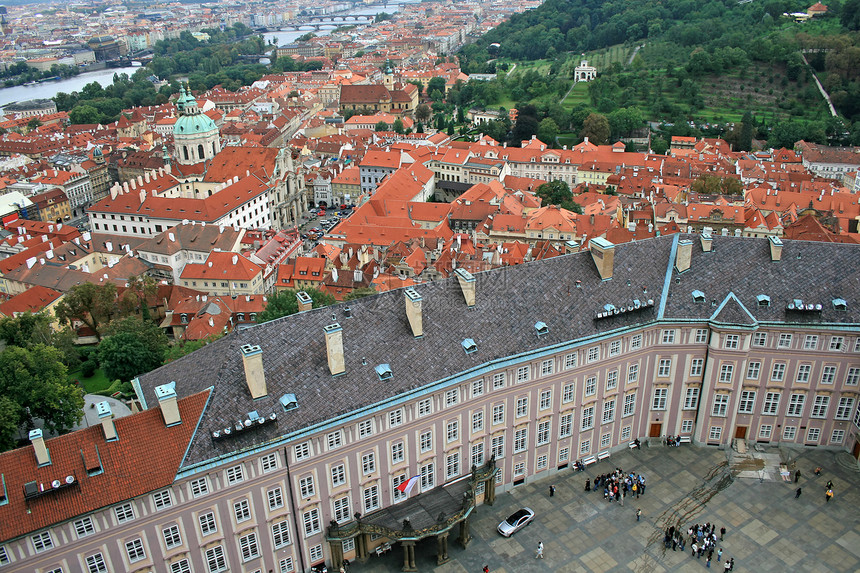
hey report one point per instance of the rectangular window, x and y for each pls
(764, 431)
(371, 498)
(810, 342)
(522, 407)
(813, 435)
(795, 405)
(633, 374)
(397, 453)
(425, 407)
(715, 433)
(522, 374)
(837, 437)
(726, 371)
(242, 510)
(721, 405)
(784, 341)
(803, 373)
(497, 446)
(215, 559)
(543, 432)
(452, 465)
(452, 431)
(691, 398)
(686, 426)
(395, 418)
(819, 407)
(341, 509)
(593, 354)
(368, 463)
(563, 454)
(520, 439)
(746, 404)
(477, 420)
(853, 376)
(498, 414)
(542, 462)
(587, 418)
(276, 498)
(732, 341)
(269, 462)
(338, 475)
(625, 433)
(477, 454)
(428, 476)
(396, 481)
(845, 407)
(612, 380)
(696, 366)
(235, 474)
(477, 387)
(134, 550)
(281, 534)
(311, 522)
(777, 374)
(42, 541)
(837, 343)
(365, 428)
(307, 487)
(4, 557)
(303, 451)
(519, 469)
(771, 403)
(124, 513)
(84, 527)
(629, 404)
(759, 339)
(605, 440)
(162, 499)
(789, 433)
(425, 441)
(96, 563)
(667, 337)
(828, 374)
(615, 348)
(570, 361)
(199, 487)
(568, 393)
(249, 547)
(608, 411)
(565, 425)
(498, 380)
(664, 367)
(316, 552)
(660, 396)
(207, 523)
(591, 386)
(452, 397)
(584, 447)
(636, 342)
(701, 335)
(545, 399)
(181, 566)
(753, 370)
(171, 536)
(546, 367)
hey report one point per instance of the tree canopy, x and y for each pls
(91, 304)
(131, 347)
(284, 303)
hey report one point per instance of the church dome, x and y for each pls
(197, 124)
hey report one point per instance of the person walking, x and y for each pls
(829, 484)
(588, 485)
(722, 532)
(539, 552)
(797, 492)
(551, 490)
(695, 549)
(828, 496)
(727, 566)
(486, 569)
(638, 513)
(720, 554)
(797, 476)
(732, 564)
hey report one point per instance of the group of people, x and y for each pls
(673, 441)
(702, 540)
(618, 485)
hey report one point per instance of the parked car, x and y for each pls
(519, 519)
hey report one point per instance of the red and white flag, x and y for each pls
(407, 486)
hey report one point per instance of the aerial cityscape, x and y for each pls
(407, 285)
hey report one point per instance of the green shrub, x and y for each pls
(88, 368)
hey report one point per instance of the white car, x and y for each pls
(519, 519)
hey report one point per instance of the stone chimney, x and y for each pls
(106, 418)
(304, 300)
(43, 458)
(334, 348)
(413, 312)
(707, 242)
(775, 248)
(166, 395)
(255, 376)
(467, 285)
(683, 255)
(603, 253)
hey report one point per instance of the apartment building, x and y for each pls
(304, 427)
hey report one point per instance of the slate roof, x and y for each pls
(510, 301)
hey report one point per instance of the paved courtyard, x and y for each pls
(767, 528)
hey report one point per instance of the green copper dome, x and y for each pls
(196, 124)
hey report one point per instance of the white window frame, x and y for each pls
(311, 523)
(172, 536)
(691, 398)
(216, 561)
(612, 380)
(608, 411)
(659, 399)
(338, 475)
(664, 367)
(587, 421)
(720, 407)
(696, 367)
(275, 498)
(753, 370)
(249, 547)
(796, 404)
(629, 405)
(810, 342)
(667, 336)
(207, 522)
(759, 339)
(784, 341)
(746, 404)
(633, 374)
(590, 386)
(84, 527)
(235, 475)
(593, 354)
(134, 550)
(636, 342)
(732, 342)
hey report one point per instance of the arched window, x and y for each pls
(213, 148)
(185, 152)
(200, 151)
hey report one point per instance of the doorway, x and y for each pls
(741, 432)
(655, 430)
(856, 451)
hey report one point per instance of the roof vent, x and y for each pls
(413, 312)
(840, 304)
(775, 248)
(469, 346)
(698, 296)
(288, 402)
(304, 300)
(383, 371)
(467, 285)
(541, 328)
(762, 300)
(334, 348)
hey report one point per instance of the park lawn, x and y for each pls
(578, 95)
(96, 383)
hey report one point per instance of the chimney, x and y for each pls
(467, 285)
(603, 253)
(166, 395)
(106, 418)
(43, 458)
(707, 242)
(255, 376)
(775, 248)
(334, 348)
(683, 255)
(413, 312)
(304, 300)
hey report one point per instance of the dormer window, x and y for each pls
(763, 300)
(840, 304)
(183, 318)
(288, 402)
(383, 371)
(541, 328)
(240, 316)
(698, 296)
(469, 346)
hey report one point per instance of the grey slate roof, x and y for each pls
(509, 302)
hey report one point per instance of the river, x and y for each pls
(47, 90)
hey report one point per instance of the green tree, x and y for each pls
(746, 133)
(93, 305)
(596, 129)
(131, 347)
(141, 289)
(436, 84)
(659, 145)
(284, 303)
(554, 193)
(381, 126)
(34, 384)
(85, 114)
(547, 130)
(423, 112)
(26, 329)
(34, 123)
(398, 125)
(183, 347)
(360, 293)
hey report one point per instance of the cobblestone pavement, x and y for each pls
(767, 528)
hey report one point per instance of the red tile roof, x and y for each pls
(145, 458)
(33, 299)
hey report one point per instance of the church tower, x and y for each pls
(195, 136)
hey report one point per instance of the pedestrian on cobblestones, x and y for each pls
(638, 513)
(551, 490)
(797, 493)
(486, 569)
(695, 549)
(797, 476)
(588, 485)
(732, 564)
(722, 532)
(828, 496)
(539, 552)
(720, 554)
(728, 566)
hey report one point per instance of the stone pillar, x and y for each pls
(490, 491)
(408, 556)
(336, 550)
(442, 548)
(361, 546)
(465, 535)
